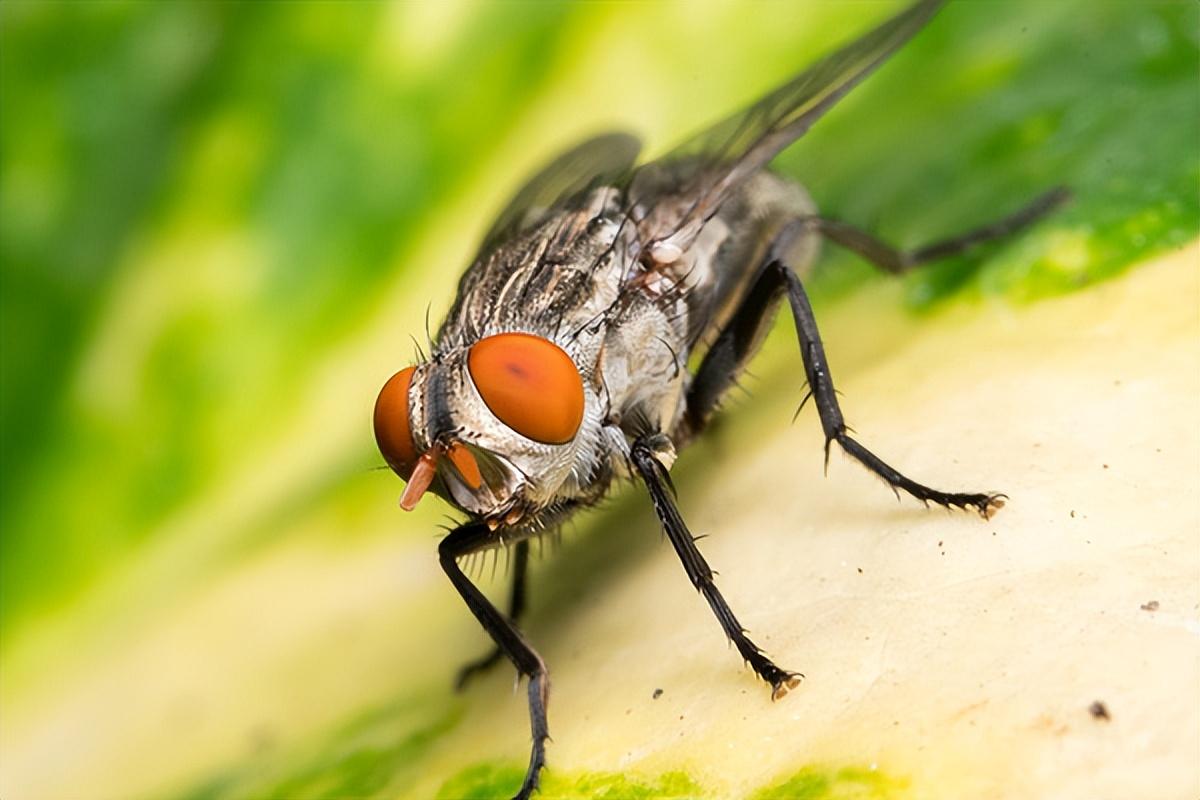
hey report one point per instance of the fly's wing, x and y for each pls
(594, 162)
(686, 188)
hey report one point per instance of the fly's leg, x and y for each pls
(654, 475)
(516, 606)
(738, 342)
(468, 539)
(820, 384)
(897, 262)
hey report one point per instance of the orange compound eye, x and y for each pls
(530, 384)
(392, 431)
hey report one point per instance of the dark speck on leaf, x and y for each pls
(657, 693)
(1099, 710)
(1151, 606)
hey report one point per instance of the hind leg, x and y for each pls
(738, 341)
(889, 259)
(820, 384)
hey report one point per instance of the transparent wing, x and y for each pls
(594, 162)
(686, 187)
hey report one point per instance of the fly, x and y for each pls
(562, 365)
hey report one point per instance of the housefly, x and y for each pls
(563, 364)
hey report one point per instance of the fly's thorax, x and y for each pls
(644, 366)
(554, 278)
(649, 337)
(519, 472)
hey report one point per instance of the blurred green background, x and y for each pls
(220, 223)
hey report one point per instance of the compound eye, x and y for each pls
(530, 384)
(392, 431)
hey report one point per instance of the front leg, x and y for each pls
(470, 538)
(516, 606)
(645, 462)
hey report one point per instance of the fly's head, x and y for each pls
(499, 428)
